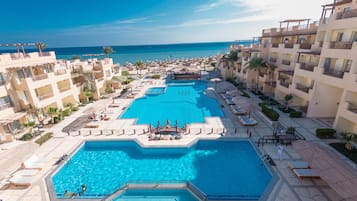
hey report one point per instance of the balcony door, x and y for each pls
(339, 37)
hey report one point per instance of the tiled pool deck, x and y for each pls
(289, 187)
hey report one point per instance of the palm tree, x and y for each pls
(52, 111)
(257, 63)
(41, 46)
(287, 100)
(107, 50)
(139, 66)
(88, 88)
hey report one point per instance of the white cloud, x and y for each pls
(132, 21)
(273, 9)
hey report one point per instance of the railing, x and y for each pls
(308, 67)
(289, 45)
(286, 62)
(5, 106)
(284, 83)
(352, 107)
(340, 45)
(275, 45)
(39, 77)
(302, 88)
(45, 96)
(346, 14)
(60, 72)
(272, 60)
(334, 73)
(305, 46)
(64, 89)
(46, 54)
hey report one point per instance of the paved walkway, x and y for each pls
(288, 186)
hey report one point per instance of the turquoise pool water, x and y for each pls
(156, 195)
(183, 101)
(221, 168)
(156, 90)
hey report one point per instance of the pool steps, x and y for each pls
(186, 186)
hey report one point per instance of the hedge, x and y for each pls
(270, 113)
(295, 114)
(325, 133)
(44, 138)
(26, 137)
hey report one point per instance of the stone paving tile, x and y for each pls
(331, 194)
(285, 194)
(310, 194)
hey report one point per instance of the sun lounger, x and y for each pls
(237, 110)
(26, 172)
(20, 181)
(298, 165)
(306, 173)
(247, 121)
(34, 162)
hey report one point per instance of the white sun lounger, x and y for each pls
(26, 172)
(298, 165)
(34, 162)
(20, 181)
(246, 121)
(237, 110)
(306, 173)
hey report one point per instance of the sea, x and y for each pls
(148, 53)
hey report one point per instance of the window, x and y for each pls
(2, 80)
(339, 36)
(107, 73)
(347, 63)
(5, 102)
(354, 36)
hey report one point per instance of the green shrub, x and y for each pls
(30, 124)
(124, 73)
(270, 113)
(57, 119)
(74, 109)
(283, 109)
(156, 77)
(44, 138)
(295, 114)
(26, 137)
(66, 113)
(325, 133)
(108, 90)
(245, 94)
(290, 130)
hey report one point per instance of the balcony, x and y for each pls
(62, 89)
(45, 96)
(273, 60)
(307, 67)
(284, 83)
(60, 72)
(340, 45)
(352, 107)
(275, 45)
(346, 14)
(289, 45)
(305, 46)
(39, 77)
(5, 106)
(302, 88)
(334, 73)
(285, 62)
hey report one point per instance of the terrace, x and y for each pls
(346, 14)
(341, 45)
(302, 27)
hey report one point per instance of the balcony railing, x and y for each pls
(39, 77)
(284, 83)
(286, 62)
(45, 96)
(305, 46)
(308, 67)
(275, 45)
(5, 106)
(302, 88)
(62, 89)
(346, 14)
(334, 73)
(340, 45)
(352, 107)
(60, 72)
(289, 45)
(272, 60)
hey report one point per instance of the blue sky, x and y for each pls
(62, 23)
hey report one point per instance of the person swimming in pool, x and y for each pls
(83, 189)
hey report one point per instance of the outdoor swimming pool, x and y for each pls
(183, 101)
(156, 90)
(219, 168)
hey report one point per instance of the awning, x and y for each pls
(12, 117)
(339, 175)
